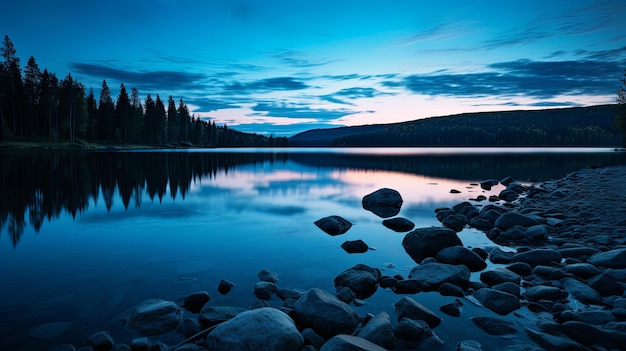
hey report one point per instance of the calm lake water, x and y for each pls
(85, 236)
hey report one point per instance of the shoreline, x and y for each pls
(584, 216)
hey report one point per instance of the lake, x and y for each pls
(85, 236)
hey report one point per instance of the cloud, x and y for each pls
(208, 104)
(268, 84)
(351, 93)
(299, 59)
(300, 111)
(537, 79)
(441, 32)
(283, 129)
(158, 80)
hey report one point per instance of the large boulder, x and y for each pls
(494, 326)
(399, 224)
(194, 302)
(554, 342)
(153, 317)
(361, 279)
(427, 242)
(379, 331)
(406, 307)
(498, 301)
(333, 225)
(325, 313)
(543, 292)
(212, 315)
(510, 219)
(350, 343)
(383, 202)
(536, 257)
(498, 276)
(461, 255)
(432, 275)
(589, 334)
(581, 292)
(100, 341)
(260, 329)
(610, 259)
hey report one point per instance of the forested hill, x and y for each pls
(578, 126)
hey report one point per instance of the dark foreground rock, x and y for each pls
(325, 313)
(384, 202)
(154, 317)
(427, 242)
(333, 225)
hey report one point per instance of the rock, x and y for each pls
(455, 222)
(506, 181)
(260, 329)
(550, 273)
(500, 302)
(194, 302)
(427, 242)
(289, 293)
(449, 289)
(508, 195)
(466, 209)
(521, 268)
(379, 331)
(412, 330)
(267, 276)
(313, 338)
(399, 224)
(494, 326)
(325, 313)
(510, 219)
(583, 270)
(387, 282)
(138, 344)
(406, 307)
(153, 317)
(496, 255)
(384, 202)
(361, 279)
(553, 342)
(63, 347)
(407, 286)
(442, 213)
(588, 334)
(432, 275)
(224, 287)
(590, 317)
(604, 284)
(264, 290)
(537, 232)
(333, 225)
(499, 275)
(455, 191)
(610, 259)
(185, 347)
(344, 342)
(469, 345)
(541, 292)
(100, 341)
(516, 233)
(577, 252)
(508, 287)
(488, 184)
(190, 326)
(536, 257)
(452, 309)
(210, 316)
(456, 255)
(345, 294)
(581, 292)
(355, 246)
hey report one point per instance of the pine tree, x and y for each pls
(92, 112)
(184, 120)
(161, 121)
(173, 125)
(137, 118)
(620, 114)
(12, 87)
(106, 111)
(123, 114)
(32, 85)
(150, 122)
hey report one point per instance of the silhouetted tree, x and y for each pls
(620, 115)
(12, 87)
(150, 122)
(32, 85)
(137, 118)
(106, 111)
(173, 125)
(92, 112)
(123, 114)
(161, 120)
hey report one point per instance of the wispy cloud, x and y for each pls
(267, 84)
(299, 59)
(439, 32)
(300, 111)
(351, 94)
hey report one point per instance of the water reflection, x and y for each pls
(42, 185)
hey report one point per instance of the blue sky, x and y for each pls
(284, 66)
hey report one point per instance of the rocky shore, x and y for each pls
(568, 267)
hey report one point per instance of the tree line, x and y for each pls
(36, 105)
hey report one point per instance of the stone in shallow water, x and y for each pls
(494, 326)
(325, 313)
(498, 301)
(399, 224)
(350, 343)
(333, 225)
(427, 242)
(153, 317)
(355, 246)
(225, 286)
(383, 202)
(406, 307)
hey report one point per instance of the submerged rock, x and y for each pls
(498, 301)
(461, 255)
(432, 275)
(194, 302)
(153, 317)
(494, 326)
(379, 331)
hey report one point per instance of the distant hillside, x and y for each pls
(577, 126)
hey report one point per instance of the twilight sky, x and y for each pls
(284, 66)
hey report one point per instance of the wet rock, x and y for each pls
(550, 273)
(138, 344)
(442, 213)
(379, 331)
(537, 233)
(578, 251)
(469, 345)
(387, 282)
(452, 309)
(267, 276)
(355, 246)
(455, 191)
(361, 279)
(325, 313)
(604, 284)
(384, 202)
(510, 219)
(508, 195)
(432, 275)
(583, 270)
(496, 255)
(589, 334)
(289, 293)
(541, 292)
(259, 329)
(427, 242)
(521, 268)
(591, 317)
(449, 289)
(489, 183)
(212, 315)
(499, 275)
(508, 287)
(225, 286)
(153, 317)
(333, 225)
(345, 294)
(499, 302)
(553, 342)
(399, 224)
(345, 342)
(194, 302)
(406, 307)
(189, 327)
(412, 330)
(494, 326)
(536, 257)
(581, 291)
(456, 255)
(264, 290)
(455, 222)
(407, 286)
(313, 338)
(466, 209)
(100, 341)
(610, 259)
